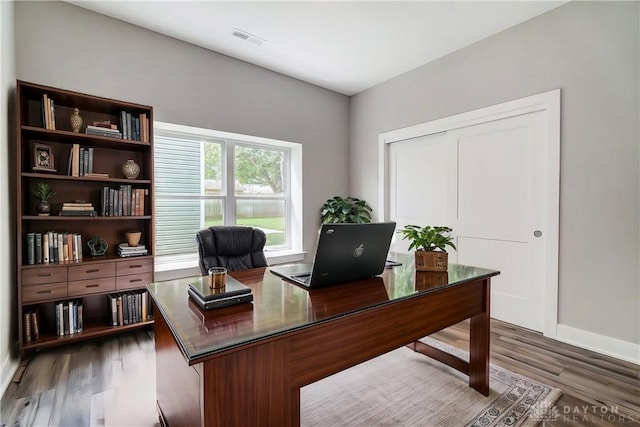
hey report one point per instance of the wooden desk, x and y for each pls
(245, 365)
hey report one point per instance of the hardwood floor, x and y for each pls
(112, 381)
(596, 390)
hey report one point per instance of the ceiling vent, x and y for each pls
(243, 35)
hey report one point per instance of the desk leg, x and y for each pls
(479, 344)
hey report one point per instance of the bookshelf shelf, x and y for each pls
(84, 218)
(95, 330)
(43, 121)
(86, 178)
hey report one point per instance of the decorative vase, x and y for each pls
(133, 238)
(130, 169)
(76, 121)
(97, 246)
(43, 208)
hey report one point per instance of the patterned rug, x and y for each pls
(403, 388)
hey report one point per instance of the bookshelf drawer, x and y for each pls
(133, 281)
(93, 271)
(92, 286)
(37, 276)
(49, 291)
(135, 266)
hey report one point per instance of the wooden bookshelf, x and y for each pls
(87, 279)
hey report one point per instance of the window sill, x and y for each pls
(189, 262)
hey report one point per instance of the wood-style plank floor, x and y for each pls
(596, 390)
(111, 381)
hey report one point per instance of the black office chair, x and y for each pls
(232, 247)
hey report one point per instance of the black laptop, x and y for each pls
(345, 252)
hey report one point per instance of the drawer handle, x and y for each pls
(45, 274)
(92, 286)
(135, 280)
(135, 266)
(95, 270)
(44, 292)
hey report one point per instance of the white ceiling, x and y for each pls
(345, 46)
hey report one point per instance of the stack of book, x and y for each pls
(124, 250)
(102, 131)
(78, 209)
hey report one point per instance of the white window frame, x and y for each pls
(293, 220)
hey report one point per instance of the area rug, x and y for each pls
(404, 388)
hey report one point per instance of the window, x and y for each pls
(205, 177)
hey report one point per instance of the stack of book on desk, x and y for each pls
(124, 250)
(207, 298)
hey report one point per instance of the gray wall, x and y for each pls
(590, 51)
(62, 45)
(8, 298)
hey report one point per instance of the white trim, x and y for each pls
(9, 368)
(165, 263)
(549, 102)
(294, 218)
(613, 347)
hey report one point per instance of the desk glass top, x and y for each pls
(280, 306)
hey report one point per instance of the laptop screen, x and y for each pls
(348, 252)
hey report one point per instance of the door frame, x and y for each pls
(547, 102)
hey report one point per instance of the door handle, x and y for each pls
(537, 233)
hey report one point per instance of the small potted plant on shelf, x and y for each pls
(345, 210)
(43, 192)
(430, 244)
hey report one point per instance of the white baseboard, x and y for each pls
(9, 367)
(613, 347)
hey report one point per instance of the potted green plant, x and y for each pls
(43, 192)
(348, 209)
(430, 244)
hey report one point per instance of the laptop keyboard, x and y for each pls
(304, 278)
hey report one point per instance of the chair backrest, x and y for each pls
(233, 247)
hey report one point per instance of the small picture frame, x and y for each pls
(43, 158)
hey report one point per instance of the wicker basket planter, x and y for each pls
(431, 261)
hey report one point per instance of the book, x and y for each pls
(90, 161)
(31, 248)
(220, 303)
(47, 111)
(26, 325)
(53, 114)
(35, 328)
(97, 175)
(80, 323)
(78, 213)
(85, 161)
(75, 163)
(65, 318)
(45, 248)
(88, 207)
(38, 248)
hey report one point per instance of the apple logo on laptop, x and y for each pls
(359, 250)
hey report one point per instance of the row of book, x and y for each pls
(123, 201)
(30, 326)
(129, 307)
(135, 128)
(53, 247)
(48, 112)
(68, 317)
(81, 162)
